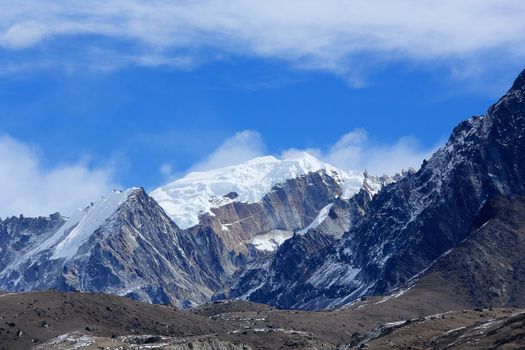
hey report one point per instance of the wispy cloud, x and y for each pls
(242, 146)
(331, 35)
(31, 189)
(357, 151)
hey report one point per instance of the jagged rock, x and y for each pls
(19, 234)
(290, 206)
(137, 251)
(412, 222)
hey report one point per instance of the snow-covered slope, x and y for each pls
(184, 200)
(270, 241)
(64, 243)
(86, 222)
(323, 214)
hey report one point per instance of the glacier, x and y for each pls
(185, 199)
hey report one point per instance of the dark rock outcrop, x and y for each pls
(412, 222)
(486, 270)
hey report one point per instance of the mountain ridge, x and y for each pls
(197, 193)
(411, 223)
(311, 241)
(126, 244)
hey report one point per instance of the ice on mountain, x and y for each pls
(270, 241)
(93, 217)
(321, 217)
(186, 198)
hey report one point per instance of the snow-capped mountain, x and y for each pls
(408, 224)
(262, 201)
(126, 244)
(194, 195)
(294, 233)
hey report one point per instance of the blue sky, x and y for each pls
(124, 93)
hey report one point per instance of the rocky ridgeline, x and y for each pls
(408, 224)
(306, 243)
(138, 251)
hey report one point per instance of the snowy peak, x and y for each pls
(184, 200)
(89, 220)
(83, 223)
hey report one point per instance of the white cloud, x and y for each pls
(24, 34)
(242, 146)
(330, 34)
(30, 189)
(356, 151)
(166, 170)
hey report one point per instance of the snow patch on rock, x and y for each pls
(269, 242)
(320, 218)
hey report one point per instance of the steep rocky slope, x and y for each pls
(125, 245)
(290, 206)
(412, 222)
(269, 277)
(486, 270)
(20, 234)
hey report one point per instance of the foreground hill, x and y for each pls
(52, 320)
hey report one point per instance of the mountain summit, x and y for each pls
(185, 199)
(408, 224)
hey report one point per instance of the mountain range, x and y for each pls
(301, 234)
(130, 243)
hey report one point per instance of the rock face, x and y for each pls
(18, 234)
(290, 206)
(136, 252)
(268, 279)
(412, 222)
(487, 270)
(187, 199)
(258, 197)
